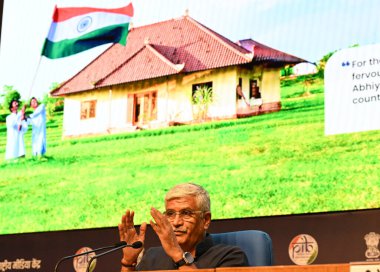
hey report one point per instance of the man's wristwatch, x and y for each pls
(187, 259)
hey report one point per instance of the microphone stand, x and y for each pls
(101, 254)
(135, 245)
(117, 245)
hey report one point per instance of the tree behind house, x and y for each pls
(9, 94)
(53, 104)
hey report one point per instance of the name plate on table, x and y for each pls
(365, 267)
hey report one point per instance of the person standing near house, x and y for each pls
(241, 100)
(38, 121)
(16, 128)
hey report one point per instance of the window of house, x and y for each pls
(87, 109)
(200, 85)
(254, 89)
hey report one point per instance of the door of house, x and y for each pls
(143, 108)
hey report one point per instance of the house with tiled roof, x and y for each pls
(151, 82)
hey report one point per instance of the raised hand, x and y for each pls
(128, 233)
(165, 233)
(23, 112)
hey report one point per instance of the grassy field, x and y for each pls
(279, 163)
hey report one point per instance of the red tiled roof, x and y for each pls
(146, 63)
(263, 53)
(170, 47)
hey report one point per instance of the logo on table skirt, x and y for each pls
(303, 249)
(372, 242)
(80, 263)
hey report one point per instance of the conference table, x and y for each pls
(373, 266)
(289, 268)
(281, 268)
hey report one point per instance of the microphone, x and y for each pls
(117, 245)
(123, 244)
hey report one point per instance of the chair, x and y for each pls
(256, 244)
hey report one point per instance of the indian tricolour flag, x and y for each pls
(77, 29)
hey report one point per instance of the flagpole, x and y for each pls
(34, 78)
(39, 63)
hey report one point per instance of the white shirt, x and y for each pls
(15, 138)
(38, 121)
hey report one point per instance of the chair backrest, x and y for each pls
(256, 244)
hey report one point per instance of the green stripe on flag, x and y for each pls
(64, 48)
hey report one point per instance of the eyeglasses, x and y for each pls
(184, 214)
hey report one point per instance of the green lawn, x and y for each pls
(279, 163)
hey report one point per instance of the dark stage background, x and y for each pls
(340, 238)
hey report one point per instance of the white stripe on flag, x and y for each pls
(80, 25)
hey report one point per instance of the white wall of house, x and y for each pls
(223, 105)
(74, 126)
(179, 108)
(110, 113)
(117, 110)
(71, 117)
(173, 99)
(270, 85)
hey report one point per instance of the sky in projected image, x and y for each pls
(306, 29)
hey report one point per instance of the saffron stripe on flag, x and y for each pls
(62, 14)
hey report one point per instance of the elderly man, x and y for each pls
(182, 230)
